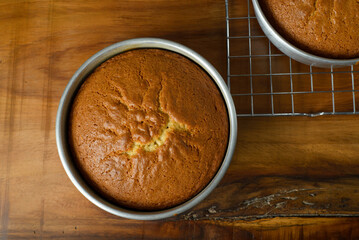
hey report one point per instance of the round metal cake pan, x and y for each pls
(292, 51)
(65, 104)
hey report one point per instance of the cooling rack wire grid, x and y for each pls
(265, 82)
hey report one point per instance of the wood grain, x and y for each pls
(294, 167)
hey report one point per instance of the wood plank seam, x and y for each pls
(46, 111)
(9, 126)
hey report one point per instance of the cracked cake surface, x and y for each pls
(148, 129)
(328, 28)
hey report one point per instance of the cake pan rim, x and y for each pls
(76, 81)
(294, 52)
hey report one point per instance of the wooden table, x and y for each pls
(294, 177)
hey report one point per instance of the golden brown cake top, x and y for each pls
(328, 28)
(148, 129)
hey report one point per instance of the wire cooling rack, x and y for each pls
(265, 82)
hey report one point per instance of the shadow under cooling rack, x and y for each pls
(265, 82)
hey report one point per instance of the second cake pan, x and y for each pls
(291, 50)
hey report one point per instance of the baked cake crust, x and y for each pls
(148, 129)
(328, 28)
